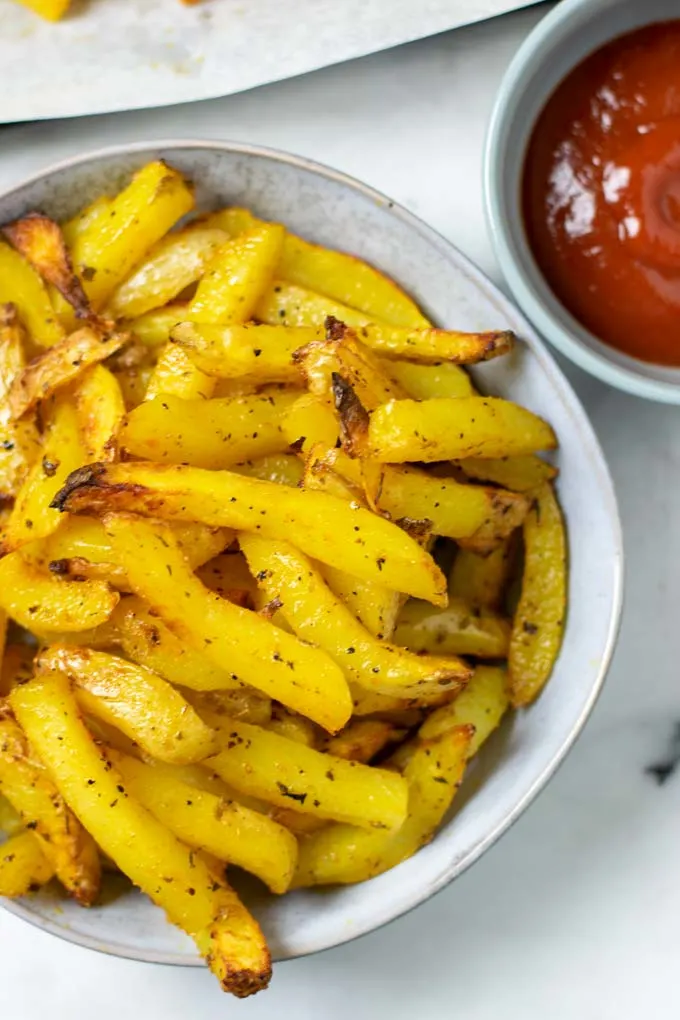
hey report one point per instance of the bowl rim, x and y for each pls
(597, 361)
(589, 441)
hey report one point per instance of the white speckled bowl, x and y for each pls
(332, 209)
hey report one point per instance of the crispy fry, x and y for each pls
(29, 788)
(316, 615)
(520, 473)
(434, 345)
(481, 579)
(342, 854)
(444, 429)
(289, 775)
(175, 877)
(142, 705)
(538, 624)
(83, 220)
(220, 827)
(236, 639)
(262, 353)
(362, 739)
(323, 527)
(23, 865)
(100, 406)
(40, 241)
(215, 433)
(482, 705)
(176, 261)
(40, 601)
(19, 441)
(60, 365)
(422, 382)
(460, 629)
(21, 285)
(176, 375)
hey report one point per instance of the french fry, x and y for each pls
(446, 429)
(323, 527)
(142, 705)
(341, 854)
(62, 451)
(482, 705)
(175, 877)
(431, 346)
(153, 329)
(285, 304)
(262, 353)
(310, 420)
(538, 623)
(481, 578)
(23, 865)
(282, 468)
(106, 251)
(176, 261)
(60, 365)
(29, 788)
(19, 441)
(21, 286)
(291, 581)
(101, 407)
(237, 640)
(422, 382)
(287, 774)
(460, 629)
(375, 607)
(362, 740)
(481, 514)
(83, 220)
(223, 828)
(333, 273)
(214, 434)
(41, 602)
(41, 242)
(520, 473)
(176, 375)
(237, 276)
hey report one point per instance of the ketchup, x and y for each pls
(601, 193)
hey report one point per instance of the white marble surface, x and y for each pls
(576, 912)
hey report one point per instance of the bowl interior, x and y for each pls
(574, 29)
(331, 209)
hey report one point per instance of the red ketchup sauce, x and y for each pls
(601, 193)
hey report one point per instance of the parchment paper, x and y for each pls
(126, 54)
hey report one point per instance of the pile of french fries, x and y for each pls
(55, 10)
(234, 468)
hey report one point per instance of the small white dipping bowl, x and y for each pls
(572, 30)
(334, 210)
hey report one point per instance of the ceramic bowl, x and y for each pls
(572, 30)
(332, 209)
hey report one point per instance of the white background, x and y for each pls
(575, 914)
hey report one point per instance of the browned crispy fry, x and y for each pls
(40, 240)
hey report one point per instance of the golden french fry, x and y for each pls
(23, 865)
(246, 645)
(73, 228)
(422, 382)
(334, 273)
(520, 473)
(29, 788)
(237, 276)
(325, 528)
(282, 468)
(481, 514)
(175, 877)
(287, 774)
(176, 375)
(362, 739)
(291, 581)
(176, 261)
(434, 345)
(341, 854)
(62, 451)
(262, 353)
(481, 578)
(41, 242)
(142, 705)
(445, 429)
(213, 433)
(19, 441)
(285, 304)
(223, 828)
(538, 624)
(101, 407)
(41, 602)
(21, 286)
(106, 250)
(482, 705)
(60, 365)
(460, 629)
(310, 421)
